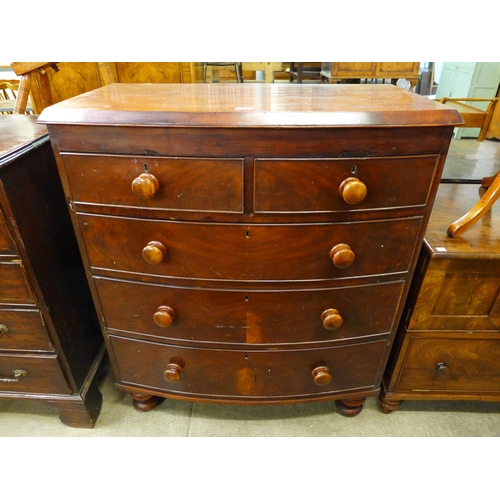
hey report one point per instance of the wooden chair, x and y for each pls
(238, 68)
(475, 117)
(34, 79)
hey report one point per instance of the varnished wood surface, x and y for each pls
(236, 105)
(481, 240)
(17, 131)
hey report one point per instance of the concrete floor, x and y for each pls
(174, 418)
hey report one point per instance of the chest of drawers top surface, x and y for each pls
(17, 132)
(233, 105)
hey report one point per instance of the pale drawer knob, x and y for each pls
(145, 186)
(3, 329)
(353, 191)
(442, 368)
(173, 372)
(154, 252)
(164, 316)
(342, 255)
(321, 376)
(331, 319)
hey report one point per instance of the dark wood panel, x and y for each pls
(312, 185)
(253, 375)
(195, 184)
(249, 317)
(249, 252)
(23, 330)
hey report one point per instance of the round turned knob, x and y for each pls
(331, 319)
(442, 368)
(154, 252)
(353, 191)
(342, 255)
(164, 316)
(145, 186)
(172, 372)
(3, 329)
(321, 375)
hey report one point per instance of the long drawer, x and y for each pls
(23, 330)
(31, 374)
(314, 185)
(458, 365)
(250, 252)
(249, 317)
(192, 184)
(251, 375)
(7, 246)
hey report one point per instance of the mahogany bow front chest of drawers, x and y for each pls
(250, 243)
(50, 340)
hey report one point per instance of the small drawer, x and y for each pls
(7, 246)
(23, 330)
(324, 185)
(192, 184)
(14, 288)
(461, 365)
(250, 252)
(30, 374)
(249, 375)
(249, 317)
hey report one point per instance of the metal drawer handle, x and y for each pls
(17, 375)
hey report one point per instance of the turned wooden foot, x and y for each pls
(349, 408)
(387, 406)
(145, 402)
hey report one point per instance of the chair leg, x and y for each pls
(204, 72)
(477, 211)
(239, 72)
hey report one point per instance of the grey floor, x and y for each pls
(118, 418)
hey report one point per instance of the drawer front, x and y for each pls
(22, 330)
(249, 317)
(14, 288)
(456, 365)
(313, 185)
(7, 246)
(251, 375)
(203, 185)
(30, 374)
(250, 252)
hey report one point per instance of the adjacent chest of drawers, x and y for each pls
(250, 243)
(448, 344)
(50, 340)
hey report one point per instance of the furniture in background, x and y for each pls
(466, 80)
(257, 253)
(50, 341)
(448, 344)
(335, 72)
(213, 74)
(301, 70)
(50, 83)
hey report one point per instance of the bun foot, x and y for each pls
(145, 402)
(349, 408)
(387, 406)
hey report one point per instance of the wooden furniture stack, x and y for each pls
(334, 72)
(448, 345)
(50, 341)
(250, 243)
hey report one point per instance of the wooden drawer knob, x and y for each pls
(321, 375)
(173, 372)
(442, 369)
(164, 316)
(353, 191)
(331, 319)
(145, 186)
(342, 255)
(3, 329)
(154, 252)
